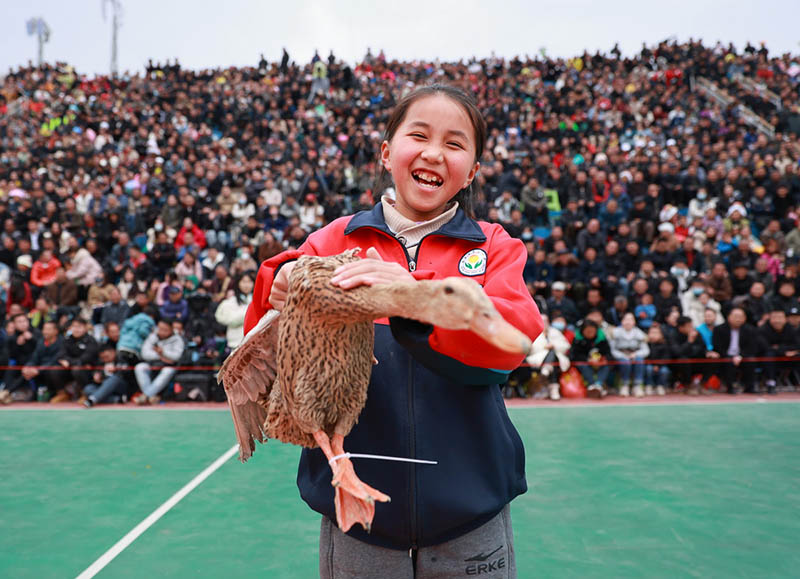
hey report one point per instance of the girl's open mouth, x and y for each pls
(427, 180)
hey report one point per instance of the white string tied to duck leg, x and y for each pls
(380, 457)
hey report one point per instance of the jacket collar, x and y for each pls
(459, 227)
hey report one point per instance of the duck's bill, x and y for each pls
(495, 330)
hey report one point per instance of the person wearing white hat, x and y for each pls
(25, 261)
(736, 217)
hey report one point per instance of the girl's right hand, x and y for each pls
(370, 270)
(280, 285)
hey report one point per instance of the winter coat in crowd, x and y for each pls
(625, 342)
(79, 351)
(84, 268)
(694, 308)
(583, 349)
(230, 314)
(171, 347)
(133, 333)
(539, 350)
(44, 274)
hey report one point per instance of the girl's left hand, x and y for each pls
(371, 270)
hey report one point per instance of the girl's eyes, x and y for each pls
(453, 144)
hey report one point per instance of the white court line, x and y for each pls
(134, 533)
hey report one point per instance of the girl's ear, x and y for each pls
(385, 156)
(472, 174)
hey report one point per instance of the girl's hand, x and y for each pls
(371, 270)
(280, 285)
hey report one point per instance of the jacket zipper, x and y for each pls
(412, 450)
(412, 263)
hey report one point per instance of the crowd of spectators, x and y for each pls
(135, 210)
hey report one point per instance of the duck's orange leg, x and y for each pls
(355, 500)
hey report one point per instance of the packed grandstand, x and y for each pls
(657, 196)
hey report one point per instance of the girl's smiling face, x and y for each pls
(431, 156)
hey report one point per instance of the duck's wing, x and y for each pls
(247, 375)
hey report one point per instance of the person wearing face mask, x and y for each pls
(700, 204)
(696, 299)
(549, 354)
(244, 261)
(242, 209)
(680, 272)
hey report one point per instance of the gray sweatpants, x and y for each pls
(488, 552)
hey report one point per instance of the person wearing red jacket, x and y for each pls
(435, 393)
(45, 269)
(198, 237)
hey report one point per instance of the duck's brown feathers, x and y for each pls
(307, 369)
(316, 365)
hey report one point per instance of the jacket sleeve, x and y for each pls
(89, 354)
(229, 313)
(612, 344)
(463, 356)
(560, 343)
(36, 274)
(64, 355)
(314, 245)
(38, 354)
(644, 350)
(145, 327)
(173, 349)
(80, 269)
(148, 353)
(718, 340)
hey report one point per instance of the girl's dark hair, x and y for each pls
(466, 196)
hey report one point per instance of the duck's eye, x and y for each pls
(448, 289)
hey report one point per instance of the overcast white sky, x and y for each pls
(208, 33)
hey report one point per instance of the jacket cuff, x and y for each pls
(414, 337)
(423, 274)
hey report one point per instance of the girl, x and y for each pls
(231, 311)
(434, 393)
(629, 347)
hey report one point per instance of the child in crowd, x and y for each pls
(657, 375)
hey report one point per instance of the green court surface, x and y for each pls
(634, 491)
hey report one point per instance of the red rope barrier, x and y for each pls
(677, 361)
(654, 362)
(116, 368)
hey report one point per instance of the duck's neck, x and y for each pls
(403, 299)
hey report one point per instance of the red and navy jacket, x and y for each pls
(433, 394)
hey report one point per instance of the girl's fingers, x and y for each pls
(359, 266)
(371, 272)
(371, 254)
(366, 278)
(380, 270)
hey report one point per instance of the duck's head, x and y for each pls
(457, 303)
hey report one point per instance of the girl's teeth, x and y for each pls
(427, 179)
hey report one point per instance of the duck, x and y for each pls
(301, 375)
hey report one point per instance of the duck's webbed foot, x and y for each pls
(355, 500)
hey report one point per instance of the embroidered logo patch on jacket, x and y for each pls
(472, 263)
